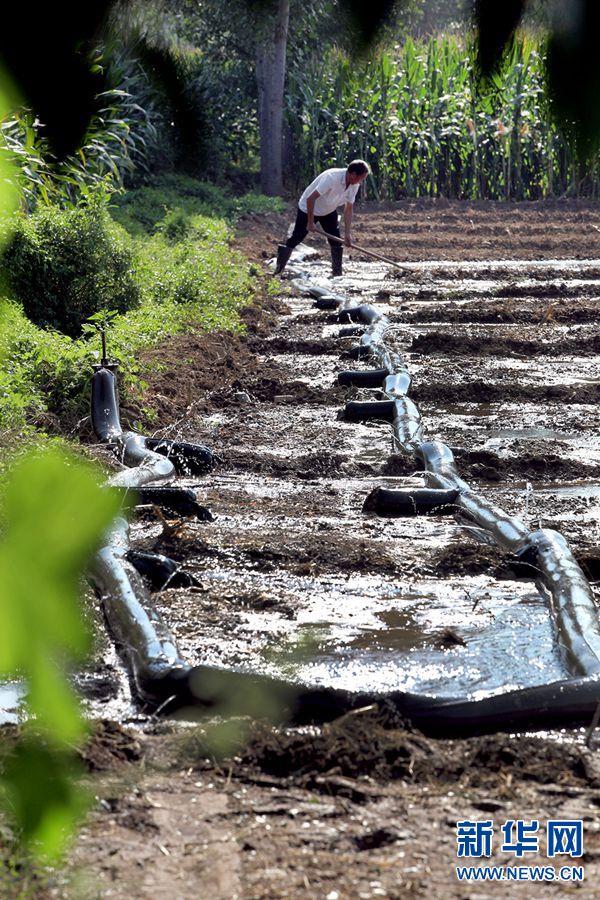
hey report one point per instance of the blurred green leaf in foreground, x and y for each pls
(9, 172)
(55, 513)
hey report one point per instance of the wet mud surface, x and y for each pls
(496, 317)
(358, 601)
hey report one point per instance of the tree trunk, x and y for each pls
(270, 77)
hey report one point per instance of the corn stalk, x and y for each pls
(414, 113)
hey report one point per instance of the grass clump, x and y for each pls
(43, 375)
(21, 877)
(193, 271)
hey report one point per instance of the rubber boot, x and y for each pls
(336, 259)
(283, 254)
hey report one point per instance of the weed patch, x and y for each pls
(172, 272)
(171, 202)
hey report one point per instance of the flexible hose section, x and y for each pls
(143, 640)
(145, 644)
(572, 605)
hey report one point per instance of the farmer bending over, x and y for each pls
(319, 203)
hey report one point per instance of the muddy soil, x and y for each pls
(496, 316)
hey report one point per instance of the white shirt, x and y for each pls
(331, 185)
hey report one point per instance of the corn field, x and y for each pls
(415, 115)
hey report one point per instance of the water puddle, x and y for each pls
(371, 634)
(12, 697)
(512, 429)
(548, 268)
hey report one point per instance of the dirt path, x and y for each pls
(291, 578)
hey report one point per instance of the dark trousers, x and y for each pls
(329, 223)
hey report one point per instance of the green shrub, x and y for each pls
(41, 372)
(65, 265)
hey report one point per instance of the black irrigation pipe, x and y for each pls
(163, 680)
(144, 642)
(163, 457)
(397, 407)
(411, 502)
(571, 601)
(440, 471)
(369, 378)
(159, 570)
(560, 578)
(560, 704)
(174, 500)
(188, 459)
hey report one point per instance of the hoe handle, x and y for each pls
(333, 237)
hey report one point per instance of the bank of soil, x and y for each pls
(496, 315)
